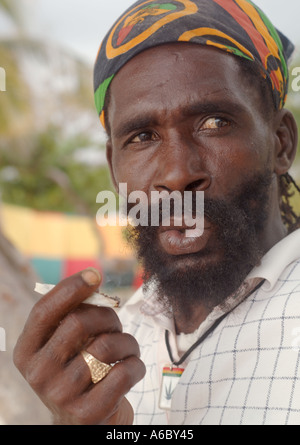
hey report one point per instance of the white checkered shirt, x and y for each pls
(247, 371)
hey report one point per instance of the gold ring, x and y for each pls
(97, 369)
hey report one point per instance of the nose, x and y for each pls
(182, 168)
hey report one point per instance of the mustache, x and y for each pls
(242, 214)
(170, 210)
(214, 210)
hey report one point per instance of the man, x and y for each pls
(191, 94)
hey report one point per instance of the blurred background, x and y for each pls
(52, 164)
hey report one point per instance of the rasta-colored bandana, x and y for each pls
(236, 26)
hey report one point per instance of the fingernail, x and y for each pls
(91, 276)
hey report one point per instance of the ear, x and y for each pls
(109, 157)
(286, 141)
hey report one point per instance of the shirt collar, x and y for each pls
(277, 259)
(269, 270)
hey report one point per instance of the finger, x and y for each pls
(53, 307)
(78, 329)
(76, 376)
(124, 414)
(104, 398)
(111, 348)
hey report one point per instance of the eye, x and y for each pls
(145, 136)
(214, 123)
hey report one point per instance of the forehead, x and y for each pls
(173, 76)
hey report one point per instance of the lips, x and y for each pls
(177, 241)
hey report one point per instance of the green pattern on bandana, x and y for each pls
(236, 26)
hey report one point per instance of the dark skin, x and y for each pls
(209, 146)
(208, 136)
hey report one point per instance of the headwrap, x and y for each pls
(236, 26)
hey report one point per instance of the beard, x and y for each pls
(182, 281)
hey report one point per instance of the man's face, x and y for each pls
(183, 118)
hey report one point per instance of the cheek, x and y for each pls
(233, 163)
(134, 170)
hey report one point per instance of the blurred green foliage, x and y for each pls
(15, 108)
(13, 10)
(38, 168)
(50, 177)
(38, 164)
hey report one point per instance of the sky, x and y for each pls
(80, 25)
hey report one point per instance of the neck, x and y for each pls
(190, 319)
(189, 323)
(274, 230)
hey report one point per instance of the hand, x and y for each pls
(48, 355)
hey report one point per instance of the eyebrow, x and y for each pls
(193, 109)
(134, 124)
(219, 106)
